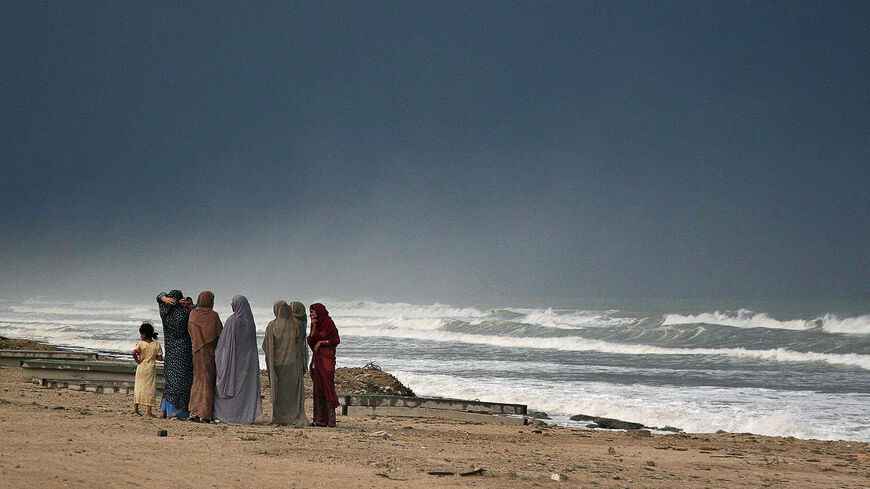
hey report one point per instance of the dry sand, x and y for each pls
(60, 438)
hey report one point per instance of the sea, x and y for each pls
(782, 370)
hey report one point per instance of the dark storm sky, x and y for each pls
(431, 151)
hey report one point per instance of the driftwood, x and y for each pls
(461, 474)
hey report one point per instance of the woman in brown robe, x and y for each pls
(205, 328)
(323, 340)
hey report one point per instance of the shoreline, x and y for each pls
(367, 380)
(61, 438)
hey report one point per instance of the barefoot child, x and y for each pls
(147, 351)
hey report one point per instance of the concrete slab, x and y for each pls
(430, 413)
(482, 407)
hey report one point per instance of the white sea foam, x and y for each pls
(855, 325)
(583, 344)
(75, 311)
(744, 318)
(412, 311)
(700, 409)
(572, 319)
(7, 321)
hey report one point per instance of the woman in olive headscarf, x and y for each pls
(205, 328)
(178, 363)
(237, 387)
(286, 359)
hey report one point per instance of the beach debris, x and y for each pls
(372, 366)
(582, 417)
(385, 476)
(608, 423)
(460, 474)
(537, 432)
(616, 424)
(538, 415)
(299, 433)
(85, 412)
(651, 463)
(611, 451)
(380, 434)
(558, 477)
(162, 432)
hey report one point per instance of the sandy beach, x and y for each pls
(62, 438)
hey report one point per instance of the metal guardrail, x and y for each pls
(13, 358)
(92, 376)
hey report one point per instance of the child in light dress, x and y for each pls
(146, 353)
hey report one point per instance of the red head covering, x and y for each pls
(320, 309)
(325, 327)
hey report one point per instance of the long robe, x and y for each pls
(178, 361)
(145, 389)
(285, 362)
(323, 361)
(205, 328)
(237, 394)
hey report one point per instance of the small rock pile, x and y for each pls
(357, 380)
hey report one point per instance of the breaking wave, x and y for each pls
(744, 318)
(583, 344)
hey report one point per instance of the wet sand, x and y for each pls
(61, 438)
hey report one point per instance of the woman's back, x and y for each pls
(237, 393)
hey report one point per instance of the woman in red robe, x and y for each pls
(323, 340)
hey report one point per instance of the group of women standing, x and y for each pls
(211, 370)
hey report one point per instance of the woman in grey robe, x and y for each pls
(237, 387)
(286, 362)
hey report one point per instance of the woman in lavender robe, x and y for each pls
(237, 393)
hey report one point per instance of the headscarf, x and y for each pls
(204, 324)
(237, 349)
(298, 310)
(278, 332)
(175, 294)
(325, 326)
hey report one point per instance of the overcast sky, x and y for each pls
(436, 151)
